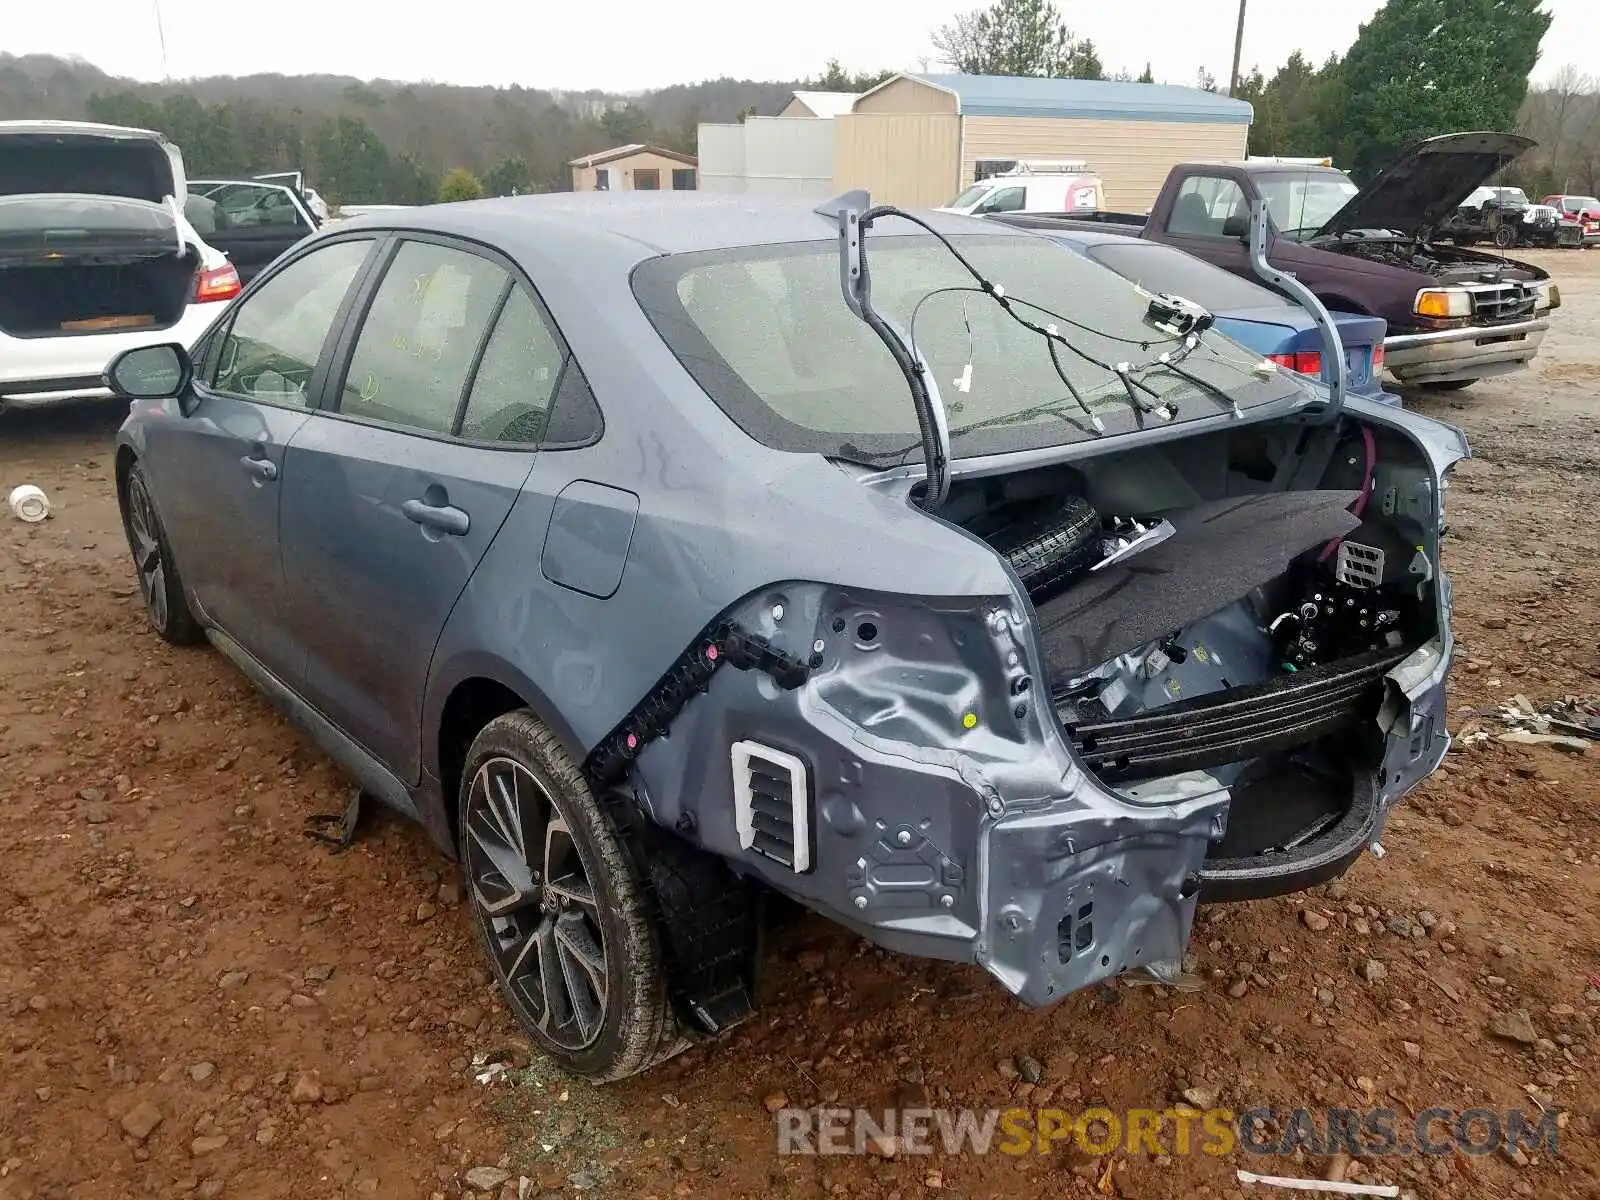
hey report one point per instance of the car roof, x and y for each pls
(647, 224)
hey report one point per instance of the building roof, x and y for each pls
(601, 157)
(1085, 99)
(827, 104)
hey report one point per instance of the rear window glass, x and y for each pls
(1160, 268)
(766, 333)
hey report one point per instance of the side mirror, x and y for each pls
(1237, 227)
(150, 372)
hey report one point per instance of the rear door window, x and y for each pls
(421, 336)
(517, 377)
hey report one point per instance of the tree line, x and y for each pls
(1419, 67)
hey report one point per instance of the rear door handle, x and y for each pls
(444, 518)
(264, 469)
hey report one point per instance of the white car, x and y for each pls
(96, 257)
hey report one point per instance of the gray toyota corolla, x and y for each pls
(659, 553)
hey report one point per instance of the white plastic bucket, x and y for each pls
(29, 503)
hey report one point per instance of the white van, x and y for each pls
(1068, 186)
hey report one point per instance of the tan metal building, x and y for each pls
(635, 168)
(920, 140)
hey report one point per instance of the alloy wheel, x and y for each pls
(532, 891)
(148, 561)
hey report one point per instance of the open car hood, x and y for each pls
(1427, 182)
(76, 157)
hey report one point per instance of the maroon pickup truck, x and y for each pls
(1455, 315)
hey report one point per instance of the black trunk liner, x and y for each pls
(1277, 804)
(1221, 551)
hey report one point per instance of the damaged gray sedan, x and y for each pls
(662, 553)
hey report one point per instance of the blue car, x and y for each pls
(1252, 315)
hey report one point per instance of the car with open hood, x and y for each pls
(1454, 314)
(96, 256)
(659, 556)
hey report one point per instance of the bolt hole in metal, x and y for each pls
(866, 633)
(536, 902)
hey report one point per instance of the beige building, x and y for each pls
(634, 168)
(819, 104)
(920, 140)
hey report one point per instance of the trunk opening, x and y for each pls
(1246, 649)
(67, 297)
(73, 264)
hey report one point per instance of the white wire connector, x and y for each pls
(999, 291)
(963, 381)
(1265, 368)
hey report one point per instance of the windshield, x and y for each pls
(971, 196)
(1304, 202)
(1159, 268)
(1510, 195)
(766, 333)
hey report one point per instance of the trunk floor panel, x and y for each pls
(1221, 551)
(1276, 804)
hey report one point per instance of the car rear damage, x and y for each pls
(1218, 663)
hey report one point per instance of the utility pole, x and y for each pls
(1238, 45)
(161, 32)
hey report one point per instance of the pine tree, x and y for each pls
(1426, 67)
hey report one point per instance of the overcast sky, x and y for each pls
(626, 45)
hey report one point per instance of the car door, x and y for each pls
(256, 222)
(219, 471)
(403, 480)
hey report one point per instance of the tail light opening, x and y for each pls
(219, 283)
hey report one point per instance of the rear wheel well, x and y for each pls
(472, 705)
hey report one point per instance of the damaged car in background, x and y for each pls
(96, 256)
(1021, 613)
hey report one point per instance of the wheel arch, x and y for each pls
(126, 458)
(474, 692)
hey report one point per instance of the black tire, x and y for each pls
(1445, 385)
(1048, 548)
(1505, 237)
(580, 962)
(159, 582)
